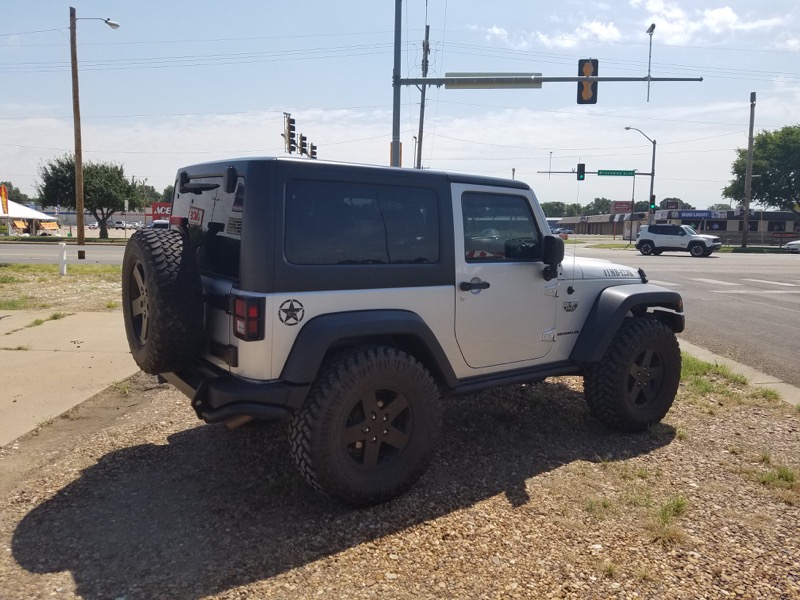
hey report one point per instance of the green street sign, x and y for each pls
(617, 173)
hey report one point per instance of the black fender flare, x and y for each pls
(324, 332)
(613, 305)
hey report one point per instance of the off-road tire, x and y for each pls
(657, 252)
(646, 247)
(708, 252)
(697, 250)
(162, 301)
(633, 386)
(369, 426)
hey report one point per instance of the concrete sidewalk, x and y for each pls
(49, 368)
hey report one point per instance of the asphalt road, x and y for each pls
(49, 253)
(743, 306)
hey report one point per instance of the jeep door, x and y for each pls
(505, 310)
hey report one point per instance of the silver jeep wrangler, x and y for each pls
(350, 300)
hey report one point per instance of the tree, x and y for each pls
(14, 194)
(166, 195)
(551, 209)
(598, 206)
(720, 206)
(776, 170)
(105, 188)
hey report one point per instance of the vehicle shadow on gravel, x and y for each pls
(214, 509)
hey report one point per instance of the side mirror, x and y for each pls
(552, 256)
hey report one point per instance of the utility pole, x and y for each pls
(76, 117)
(398, 19)
(425, 51)
(748, 176)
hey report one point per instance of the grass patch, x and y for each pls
(674, 507)
(53, 317)
(662, 525)
(782, 477)
(694, 369)
(85, 287)
(642, 500)
(765, 393)
(14, 303)
(20, 347)
(598, 507)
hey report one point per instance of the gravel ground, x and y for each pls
(129, 496)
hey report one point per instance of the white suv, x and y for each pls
(655, 239)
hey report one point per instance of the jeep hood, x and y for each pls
(573, 267)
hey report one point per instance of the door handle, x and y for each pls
(468, 286)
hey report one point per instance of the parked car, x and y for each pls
(94, 225)
(159, 224)
(793, 246)
(559, 230)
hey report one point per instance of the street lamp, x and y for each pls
(649, 32)
(652, 170)
(76, 115)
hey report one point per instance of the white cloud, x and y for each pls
(676, 26)
(588, 30)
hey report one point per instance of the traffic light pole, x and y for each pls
(484, 81)
(651, 212)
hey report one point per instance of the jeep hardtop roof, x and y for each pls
(217, 167)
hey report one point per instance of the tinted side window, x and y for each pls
(334, 223)
(498, 227)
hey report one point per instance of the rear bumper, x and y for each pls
(216, 395)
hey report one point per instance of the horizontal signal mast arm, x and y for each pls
(523, 81)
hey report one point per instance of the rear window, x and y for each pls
(214, 221)
(340, 223)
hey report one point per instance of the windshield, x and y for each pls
(690, 230)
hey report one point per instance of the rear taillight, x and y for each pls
(248, 318)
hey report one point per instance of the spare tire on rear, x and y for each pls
(162, 301)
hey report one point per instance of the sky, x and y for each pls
(185, 82)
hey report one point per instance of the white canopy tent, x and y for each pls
(20, 215)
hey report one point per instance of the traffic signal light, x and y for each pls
(303, 145)
(581, 171)
(291, 139)
(587, 91)
(653, 202)
(313, 150)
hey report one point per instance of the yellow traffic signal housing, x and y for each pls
(587, 90)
